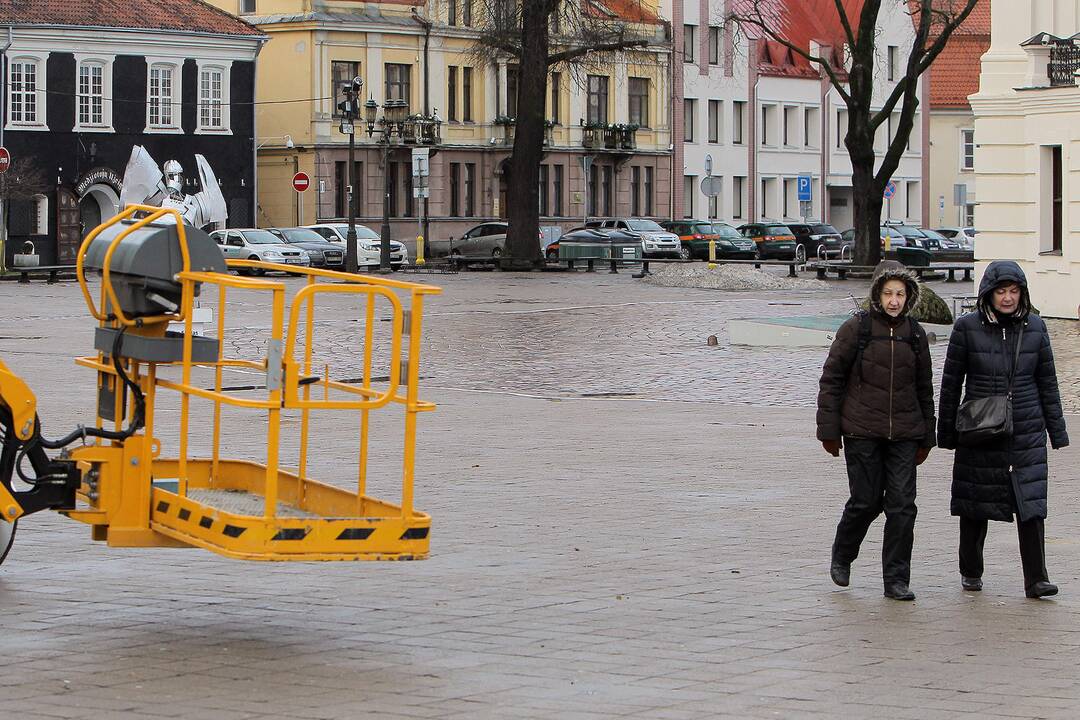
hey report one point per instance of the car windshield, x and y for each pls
(363, 232)
(823, 230)
(908, 231)
(726, 231)
(644, 225)
(261, 237)
(299, 235)
(933, 235)
(777, 230)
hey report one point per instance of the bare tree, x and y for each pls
(539, 36)
(24, 180)
(934, 22)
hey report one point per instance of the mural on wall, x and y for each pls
(145, 184)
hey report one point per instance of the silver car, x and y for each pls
(368, 243)
(655, 240)
(253, 244)
(486, 240)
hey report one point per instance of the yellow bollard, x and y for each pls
(712, 253)
(419, 249)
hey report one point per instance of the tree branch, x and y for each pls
(497, 43)
(568, 55)
(842, 12)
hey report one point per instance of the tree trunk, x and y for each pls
(523, 196)
(867, 200)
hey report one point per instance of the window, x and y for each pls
(451, 12)
(26, 83)
(556, 190)
(648, 191)
(607, 184)
(343, 188)
(738, 192)
(455, 189)
(716, 114)
(1051, 206)
(689, 108)
(763, 212)
(914, 207)
(466, 94)
(635, 190)
(969, 214)
(738, 120)
(213, 98)
(811, 126)
(841, 127)
(91, 94)
(544, 172)
(399, 184)
(451, 93)
(397, 82)
(639, 101)
(342, 73)
(688, 43)
(688, 195)
(791, 122)
(466, 13)
(967, 149)
(511, 90)
(162, 101)
(768, 122)
(790, 197)
(894, 61)
(596, 111)
(247, 7)
(470, 189)
(714, 46)
(556, 89)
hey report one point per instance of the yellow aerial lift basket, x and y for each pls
(153, 268)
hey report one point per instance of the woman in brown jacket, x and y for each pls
(876, 401)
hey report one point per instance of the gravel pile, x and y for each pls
(727, 277)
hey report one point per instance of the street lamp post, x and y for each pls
(350, 112)
(390, 125)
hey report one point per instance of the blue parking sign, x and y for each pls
(805, 188)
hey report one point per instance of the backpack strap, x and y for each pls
(865, 335)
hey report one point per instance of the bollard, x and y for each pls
(712, 253)
(419, 249)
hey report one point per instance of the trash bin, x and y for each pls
(913, 256)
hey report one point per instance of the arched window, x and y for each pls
(93, 94)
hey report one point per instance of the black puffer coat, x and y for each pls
(888, 392)
(986, 478)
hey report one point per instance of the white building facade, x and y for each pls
(1027, 121)
(764, 116)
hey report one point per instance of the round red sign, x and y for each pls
(5, 159)
(301, 182)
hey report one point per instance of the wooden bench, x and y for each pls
(51, 271)
(950, 268)
(842, 270)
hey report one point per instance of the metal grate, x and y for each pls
(1064, 62)
(239, 502)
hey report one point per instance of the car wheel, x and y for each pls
(7, 537)
(257, 272)
(553, 256)
(496, 252)
(684, 253)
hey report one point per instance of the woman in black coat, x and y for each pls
(1000, 479)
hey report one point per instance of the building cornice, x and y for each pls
(131, 42)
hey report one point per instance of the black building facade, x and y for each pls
(76, 115)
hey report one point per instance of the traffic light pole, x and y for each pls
(350, 237)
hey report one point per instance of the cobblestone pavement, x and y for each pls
(592, 556)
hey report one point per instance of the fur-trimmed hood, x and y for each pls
(892, 270)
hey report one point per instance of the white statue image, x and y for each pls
(144, 184)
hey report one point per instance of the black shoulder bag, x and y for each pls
(990, 418)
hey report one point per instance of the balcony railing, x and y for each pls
(609, 137)
(1064, 63)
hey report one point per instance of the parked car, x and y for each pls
(913, 236)
(655, 240)
(322, 252)
(253, 244)
(964, 235)
(937, 241)
(773, 239)
(695, 236)
(895, 237)
(818, 239)
(485, 240)
(368, 243)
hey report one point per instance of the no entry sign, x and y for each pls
(5, 159)
(301, 181)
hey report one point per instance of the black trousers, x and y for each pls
(1032, 548)
(881, 475)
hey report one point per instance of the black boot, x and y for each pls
(899, 591)
(971, 584)
(840, 572)
(1041, 589)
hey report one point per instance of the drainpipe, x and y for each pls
(255, 139)
(3, 121)
(752, 147)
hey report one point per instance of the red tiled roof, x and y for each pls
(628, 10)
(177, 15)
(955, 73)
(977, 23)
(801, 22)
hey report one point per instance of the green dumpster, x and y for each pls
(913, 256)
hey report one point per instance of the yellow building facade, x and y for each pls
(423, 54)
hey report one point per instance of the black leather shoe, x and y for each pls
(1041, 589)
(840, 572)
(899, 591)
(971, 584)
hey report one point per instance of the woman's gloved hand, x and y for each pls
(832, 447)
